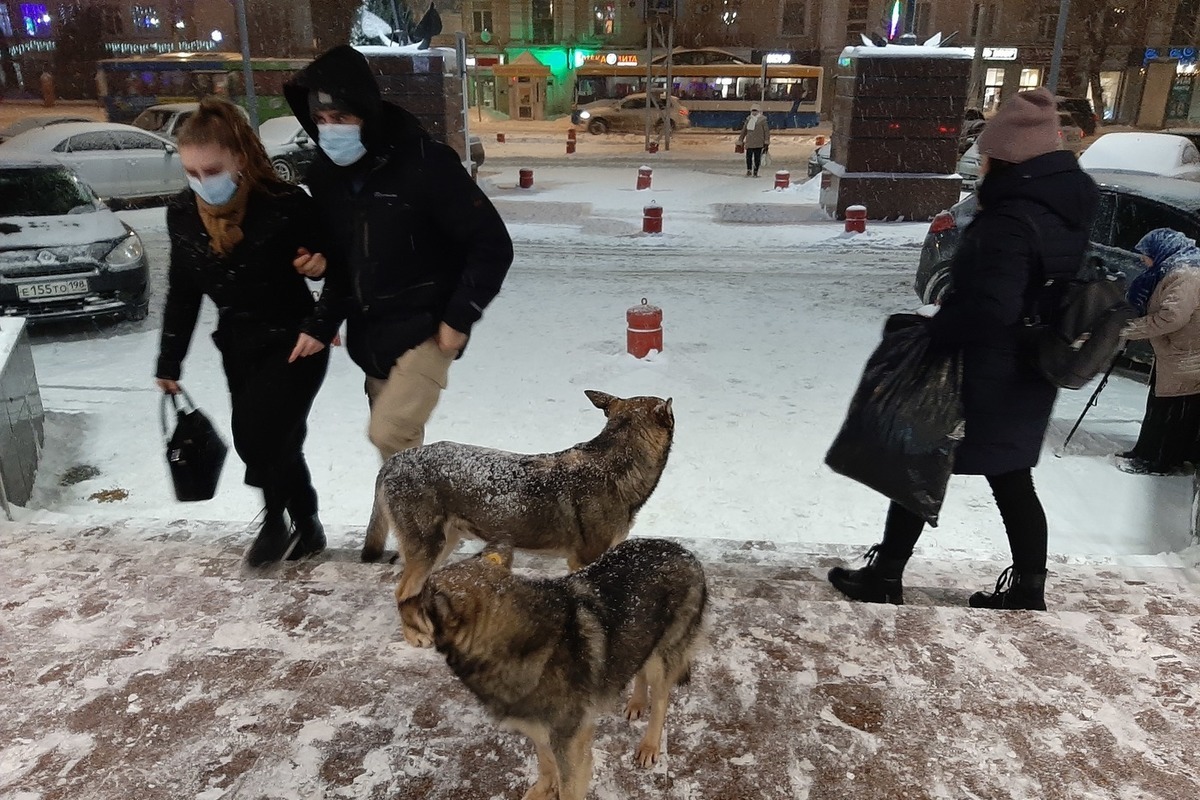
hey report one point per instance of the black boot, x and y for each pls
(1018, 591)
(272, 541)
(877, 582)
(309, 534)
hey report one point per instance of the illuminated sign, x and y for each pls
(1000, 54)
(612, 59)
(778, 58)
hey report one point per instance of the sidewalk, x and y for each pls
(142, 662)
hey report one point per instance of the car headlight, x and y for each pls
(127, 254)
(585, 115)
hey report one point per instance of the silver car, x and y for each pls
(627, 114)
(119, 162)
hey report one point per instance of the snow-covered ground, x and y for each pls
(766, 329)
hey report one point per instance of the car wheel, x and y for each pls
(597, 127)
(938, 286)
(284, 170)
(139, 312)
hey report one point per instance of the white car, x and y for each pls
(118, 161)
(289, 147)
(1162, 154)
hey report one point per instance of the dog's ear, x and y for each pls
(664, 413)
(498, 554)
(600, 400)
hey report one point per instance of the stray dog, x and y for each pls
(577, 503)
(543, 656)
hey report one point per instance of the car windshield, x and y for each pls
(152, 120)
(47, 191)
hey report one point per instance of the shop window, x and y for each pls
(145, 19)
(1031, 78)
(795, 19)
(36, 19)
(992, 86)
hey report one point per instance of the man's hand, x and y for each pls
(305, 346)
(450, 341)
(310, 265)
(168, 387)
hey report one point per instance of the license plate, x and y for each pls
(46, 289)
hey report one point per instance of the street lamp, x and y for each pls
(217, 36)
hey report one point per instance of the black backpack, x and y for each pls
(1075, 325)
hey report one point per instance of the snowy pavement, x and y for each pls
(147, 663)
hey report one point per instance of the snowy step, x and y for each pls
(784, 574)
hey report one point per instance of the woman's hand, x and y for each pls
(305, 346)
(449, 340)
(310, 265)
(168, 387)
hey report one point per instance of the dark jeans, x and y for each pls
(270, 401)
(1024, 522)
(1170, 433)
(753, 159)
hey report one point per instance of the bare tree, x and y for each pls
(1105, 23)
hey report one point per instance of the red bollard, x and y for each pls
(570, 144)
(570, 134)
(652, 218)
(526, 178)
(856, 219)
(645, 175)
(643, 330)
(652, 147)
(783, 179)
(500, 138)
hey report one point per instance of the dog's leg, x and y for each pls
(639, 701)
(574, 755)
(546, 787)
(419, 561)
(660, 689)
(377, 529)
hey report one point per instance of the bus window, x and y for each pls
(749, 89)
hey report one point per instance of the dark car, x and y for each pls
(63, 253)
(1080, 109)
(1130, 206)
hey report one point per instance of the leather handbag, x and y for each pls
(195, 451)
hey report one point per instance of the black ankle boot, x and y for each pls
(272, 541)
(309, 534)
(1018, 591)
(877, 582)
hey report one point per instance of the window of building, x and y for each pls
(604, 19)
(795, 19)
(543, 21)
(145, 19)
(6, 27)
(66, 13)
(1031, 78)
(1048, 22)
(993, 84)
(856, 19)
(36, 19)
(1185, 22)
(922, 18)
(730, 9)
(481, 20)
(989, 27)
(111, 21)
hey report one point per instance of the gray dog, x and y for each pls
(544, 656)
(577, 502)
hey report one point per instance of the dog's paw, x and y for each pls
(636, 708)
(371, 554)
(542, 790)
(647, 754)
(417, 638)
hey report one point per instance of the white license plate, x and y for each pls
(45, 289)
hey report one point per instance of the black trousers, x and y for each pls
(753, 159)
(270, 401)
(1170, 433)
(1024, 522)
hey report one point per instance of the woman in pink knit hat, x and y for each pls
(1036, 209)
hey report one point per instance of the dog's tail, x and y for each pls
(379, 525)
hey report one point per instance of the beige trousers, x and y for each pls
(402, 404)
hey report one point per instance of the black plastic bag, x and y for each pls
(905, 420)
(195, 451)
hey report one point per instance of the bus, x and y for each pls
(129, 85)
(715, 95)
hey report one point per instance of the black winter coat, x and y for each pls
(261, 299)
(419, 241)
(1034, 220)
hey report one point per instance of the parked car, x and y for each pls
(117, 161)
(1191, 134)
(165, 119)
(627, 114)
(818, 159)
(288, 146)
(1082, 114)
(971, 161)
(37, 121)
(63, 253)
(1145, 153)
(1130, 206)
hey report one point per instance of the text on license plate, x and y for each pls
(35, 291)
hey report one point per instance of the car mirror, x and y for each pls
(302, 138)
(171, 149)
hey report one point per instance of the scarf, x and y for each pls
(752, 122)
(1168, 249)
(224, 223)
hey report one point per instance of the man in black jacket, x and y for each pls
(417, 250)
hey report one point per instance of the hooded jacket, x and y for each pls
(416, 240)
(1034, 223)
(1171, 321)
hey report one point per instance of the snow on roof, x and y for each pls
(408, 51)
(1140, 152)
(907, 51)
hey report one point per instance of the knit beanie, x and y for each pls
(1025, 127)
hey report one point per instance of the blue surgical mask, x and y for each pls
(216, 190)
(342, 143)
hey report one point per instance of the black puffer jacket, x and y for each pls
(261, 298)
(420, 242)
(1034, 218)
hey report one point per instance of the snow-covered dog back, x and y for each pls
(577, 503)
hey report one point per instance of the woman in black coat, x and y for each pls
(1036, 210)
(234, 237)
